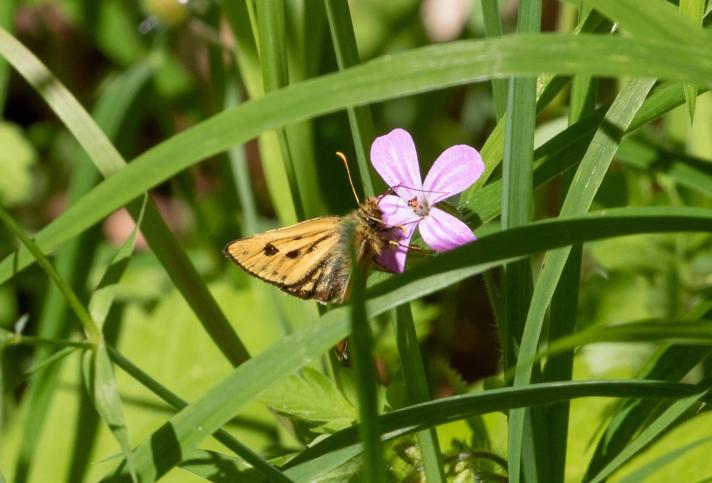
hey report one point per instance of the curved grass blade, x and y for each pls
(108, 160)
(643, 473)
(163, 449)
(418, 70)
(91, 330)
(671, 364)
(344, 445)
(100, 382)
(584, 185)
(566, 148)
(680, 332)
(261, 465)
(655, 429)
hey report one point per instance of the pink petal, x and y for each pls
(396, 213)
(443, 232)
(393, 258)
(394, 158)
(455, 169)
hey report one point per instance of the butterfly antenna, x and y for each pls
(348, 172)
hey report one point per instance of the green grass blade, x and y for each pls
(238, 15)
(684, 332)
(493, 28)
(657, 427)
(73, 262)
(566, 149)
(273, 58)
(343, 445)
(417, 389)
(672, 364)
(108, 160)
(91, 330)
(374, 468)
(387, 77)
(492, 149)
(517, 188)
(645, 472)
(564, 302)
(101, 385)
(241, 172)
(346, 50)
(517, 205)
(163, 449)
(587, 179)
(688, 171)
(269, 471)
(7, 17)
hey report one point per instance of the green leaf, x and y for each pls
(312, 397)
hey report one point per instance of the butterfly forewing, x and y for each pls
(298, 259)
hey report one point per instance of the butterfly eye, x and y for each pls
(372, 222)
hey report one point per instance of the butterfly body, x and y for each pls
(312, 259)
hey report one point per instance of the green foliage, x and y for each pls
(582, 312)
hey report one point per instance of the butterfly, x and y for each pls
(312, 259)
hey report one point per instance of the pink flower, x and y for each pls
(413, 205)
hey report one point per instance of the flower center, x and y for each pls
(419, 207)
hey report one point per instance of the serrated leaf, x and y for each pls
(310, 396)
